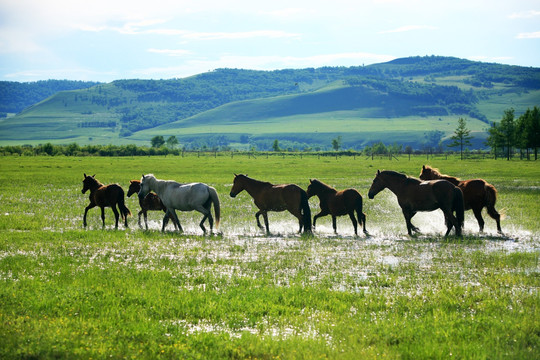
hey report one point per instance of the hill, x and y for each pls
(414, 101)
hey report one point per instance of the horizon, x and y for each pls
(120, 39)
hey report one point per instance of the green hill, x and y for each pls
(413, 101)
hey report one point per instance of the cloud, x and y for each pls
(530, 35)
(170, 52)
(271, 34)
(409, 28)
(525, 14)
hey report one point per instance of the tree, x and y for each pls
(172, 141)
(494, 139)
(507, 131)
(461, 136)
(408, 150)
(528, 126)
(157, 141)
(336, 143)
(275, 145)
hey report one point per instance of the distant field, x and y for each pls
(66, 292)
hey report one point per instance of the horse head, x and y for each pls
(88, 182)
(377, 186)
(312, 188)
(134, 187)
(145, 185)
(427, 173)
(238, 184)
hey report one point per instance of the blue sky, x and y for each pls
(105, 40)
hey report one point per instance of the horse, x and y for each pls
(105, 196)
(183, 197)
(269, 197)
(415, 195)
(150, 202)
(337, 203)
(477, 194)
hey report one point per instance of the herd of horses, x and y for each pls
(431, 191)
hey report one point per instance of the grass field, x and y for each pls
(66, 292)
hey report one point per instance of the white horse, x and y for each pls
(183, 197)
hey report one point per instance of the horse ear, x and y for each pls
(84, 174)
(423, 167)
(378, 172)
(310, 181)
(94, 175)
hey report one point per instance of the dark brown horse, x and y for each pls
(269, 197)
(414, 195)
(337, 203)
(150, 202)
(477, 194)
(105, 196)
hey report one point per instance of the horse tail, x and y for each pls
(458, 206)
(121, 205)
(215, 199)
(491, 199)
(359, 213)
(306, 211)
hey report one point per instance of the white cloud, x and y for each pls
(171, 52)
(530, 35)
(271, 34)
(525, 14)
(409, 28)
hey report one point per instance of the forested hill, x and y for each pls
(420, 87)
(15, 96)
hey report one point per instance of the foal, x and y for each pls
(105, 196)
(477, 194)
(150, 202)
(337, 203)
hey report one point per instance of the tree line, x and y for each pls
(511, 134)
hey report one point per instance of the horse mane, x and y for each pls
(323, 185)
(266, 183)
(442, 176)
(95, 181)
(394, 174)
(399, 175)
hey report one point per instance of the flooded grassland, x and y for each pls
(74, 293)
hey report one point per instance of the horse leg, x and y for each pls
(354, 222)
(116, 216)
(259, 213)
(141, 212)
(91, 206)
(494, 215)
(334, 224)
(362, 220)
(174, 217)
(265, 217)
(408, 216)
(205, 210)
(321, 214)
(478, 214)
(102, 216)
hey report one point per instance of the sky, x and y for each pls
(106, 40)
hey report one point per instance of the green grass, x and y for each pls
(71, 293)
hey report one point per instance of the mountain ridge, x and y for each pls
(429, 90)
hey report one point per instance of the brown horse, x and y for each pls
(150, 202)
(477, 194)
(337, 203)
(269, 197)
(414, 195)
(105, 196)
